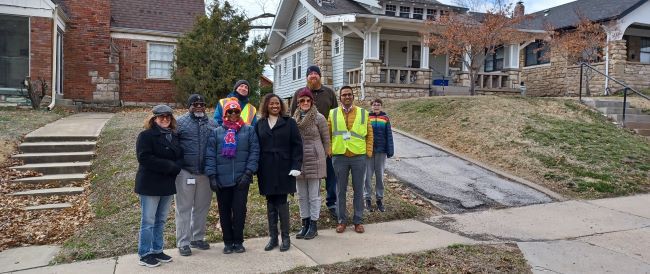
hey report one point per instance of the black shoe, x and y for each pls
(149, 261)
(286, 244)
(380, 205)
(273, 243)
(313, 230)
(238, 248)
(333, 214)
(369, 205)
(185, 250)
(200, 244)
(228, 249)
(162, 257)
(304, 229)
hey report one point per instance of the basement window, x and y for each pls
(160, 61)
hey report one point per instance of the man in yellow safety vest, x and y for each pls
(351, 144)
(248, 111)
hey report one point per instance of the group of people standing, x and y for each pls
(290, 151)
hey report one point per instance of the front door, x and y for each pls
(415, 56)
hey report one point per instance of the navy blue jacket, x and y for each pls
(228, 171)
(382, 134)
(193, 133)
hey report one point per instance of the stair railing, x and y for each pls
(626, 88)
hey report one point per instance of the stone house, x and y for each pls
(113, 52)
(376, 47)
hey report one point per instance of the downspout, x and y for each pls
(55, 15)
(363, 64)
(607, 65)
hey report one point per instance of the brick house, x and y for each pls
(375, 46)
(114, 52)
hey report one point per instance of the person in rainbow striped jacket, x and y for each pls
(383, 148)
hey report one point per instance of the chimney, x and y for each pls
(519, 9)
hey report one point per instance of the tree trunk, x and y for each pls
(472, 83)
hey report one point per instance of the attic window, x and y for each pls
(391, 9)
(302, 21)
(417, 13)
(405, 12)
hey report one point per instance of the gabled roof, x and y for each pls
(339, 7)
(564, 16)
(159, 15)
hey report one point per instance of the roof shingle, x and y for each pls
(160, 15)
(567, 15)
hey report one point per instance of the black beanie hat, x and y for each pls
(313, 68)
(195, 98)
(241, 82)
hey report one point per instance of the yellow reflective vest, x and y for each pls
(248, 111)
(354, 139)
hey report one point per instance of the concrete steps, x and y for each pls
(619, 110)
(630, 118)
(56, 147)
(48, 206)
(52, 179)
(50, 191)
(56, 168)
(635, 119)
(35, 158)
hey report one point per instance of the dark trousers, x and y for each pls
(232, 213)
(330, 184)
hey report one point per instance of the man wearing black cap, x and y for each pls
(248, 111)
(324, 99)
(193, 194)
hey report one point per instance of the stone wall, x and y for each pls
(322, 45)
(375, 89)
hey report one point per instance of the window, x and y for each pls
(644, 53)
(494, 62)
(337, 46)
(417, 13)
(285, 65)
(405, 12)
(296, 67)
(161, 58)
(302, 21)
(382, 51)
(431, 14)
(391, 10)
(14, 51)
(536, 53)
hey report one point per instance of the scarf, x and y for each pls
(307, 120)
(229, 147)
(165, 131)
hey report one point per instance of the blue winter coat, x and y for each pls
(228, 171)
(382, 134)
(193, 133)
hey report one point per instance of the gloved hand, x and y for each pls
(294, 173)
(214, 184)
(245, 180)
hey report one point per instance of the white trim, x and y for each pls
(158, 78)
(312, 10)
(31, 8)
(152, 38)
(537, 66)
(147, 32)
(344, 18)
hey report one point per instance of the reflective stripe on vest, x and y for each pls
(247, 114)
(357, 142)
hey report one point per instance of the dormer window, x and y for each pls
(431, 14)
(391, 10)
(417, 13)
(405, 12)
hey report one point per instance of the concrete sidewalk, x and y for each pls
(601, 236)
(81, 126)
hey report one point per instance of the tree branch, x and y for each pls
(263, 15)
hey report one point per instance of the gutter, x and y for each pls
(55, 15)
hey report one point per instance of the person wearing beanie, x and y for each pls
(241, 90)
(160, 158)
(324, 100)
(193, 195)
(231, 159)
(316, 142)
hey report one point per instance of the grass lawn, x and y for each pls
(502, 258)
(557, 143)
(114, 230)
(15, 123)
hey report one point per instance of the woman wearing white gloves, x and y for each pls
(279, 165)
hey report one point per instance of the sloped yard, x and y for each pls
(557, 143)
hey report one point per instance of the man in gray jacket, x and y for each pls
(193, 194)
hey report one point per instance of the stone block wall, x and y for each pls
(322, 45)
(134, 87)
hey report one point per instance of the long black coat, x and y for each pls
(280, 152)
(160, 161)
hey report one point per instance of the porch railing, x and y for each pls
(493, 80)
(388, 75)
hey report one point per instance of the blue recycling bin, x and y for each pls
(441, 82)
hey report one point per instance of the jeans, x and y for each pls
(152, 223)
(308, 198)
(375, 167)
(232, 213)
(344, 166)
(330, 184)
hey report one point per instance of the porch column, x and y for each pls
(511, 58)
(371, 45)
(424, 56)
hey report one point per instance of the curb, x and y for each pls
(555, 196)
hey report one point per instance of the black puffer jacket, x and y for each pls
(160, 162)
(193, 133)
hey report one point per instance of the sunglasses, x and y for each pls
(305, 100)
(165, 117)
(198, 105)
(233, 111)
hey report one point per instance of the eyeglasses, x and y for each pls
(198, 105)
(233, 111)
(376, 105)
(305, 100)
(165, 117)
(347, 95)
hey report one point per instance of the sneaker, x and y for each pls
(380, 205)
(227, 249)
(149, 261)
(333, 214)
(185, 250)
(239, 248)
(369, 205)
(162, 257)
(200, 244)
